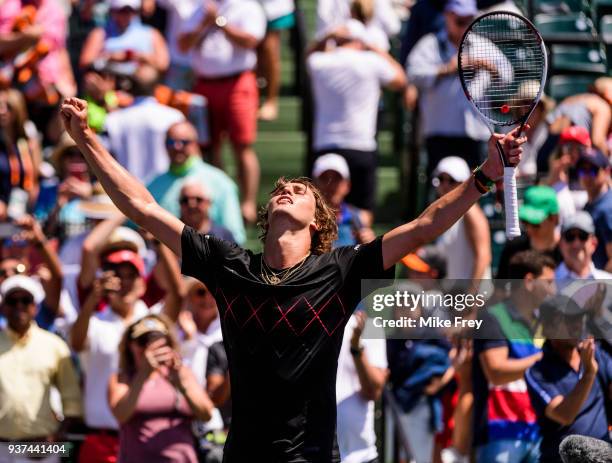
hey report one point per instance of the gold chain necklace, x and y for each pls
(271, 277)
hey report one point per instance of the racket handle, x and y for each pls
(511, 203)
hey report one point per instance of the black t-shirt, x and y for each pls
(517, 245)
(282, 343)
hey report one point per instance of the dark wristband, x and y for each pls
(356, 351)
(483, 183)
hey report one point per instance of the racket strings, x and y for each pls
(502, 62)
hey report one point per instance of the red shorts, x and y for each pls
(232, 107)
(99, 448)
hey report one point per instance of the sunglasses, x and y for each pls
(174, 142)
(15, 301)
(590, 171)
(571, 235)
(184, 200)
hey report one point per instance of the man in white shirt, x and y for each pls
(449, 123)
(362, 372)
(137, 134)
(223, 36)
(347, 75)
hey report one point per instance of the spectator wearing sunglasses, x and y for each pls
(578, 244)
(539, 214)
(594, 173)
(194, 201)
(30, 253)
(32, 360)
(466, 244)
(186, 164)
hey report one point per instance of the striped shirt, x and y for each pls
(504, 411)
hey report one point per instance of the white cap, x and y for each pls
(118, 4)
(24, 283)
(126, 238)
(331, 161)
(455, 167)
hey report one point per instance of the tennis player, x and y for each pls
(283, 311)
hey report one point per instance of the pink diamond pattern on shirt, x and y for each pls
(296, 322)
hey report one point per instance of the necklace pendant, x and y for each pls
(274, 279)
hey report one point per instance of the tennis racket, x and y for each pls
(502, 67)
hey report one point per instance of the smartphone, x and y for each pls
(8, 230)
(18, 203)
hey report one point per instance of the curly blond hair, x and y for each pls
(325, 216)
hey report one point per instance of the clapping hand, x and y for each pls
(587, 356)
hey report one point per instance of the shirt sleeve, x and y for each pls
(67, 382)
(217, 360)
(423, 63)
(364, 261)
(194, 20)
(376, 352)
(203, 255)
(384, 71)
(252, 20)
(362, 271)
(490, 335)
(541, 392)
(604, 360)
(603, 226)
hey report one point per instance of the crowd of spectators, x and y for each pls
(102, 338)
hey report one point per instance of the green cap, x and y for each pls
(538, 203)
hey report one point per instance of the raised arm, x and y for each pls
(445, 211)
(129, 195)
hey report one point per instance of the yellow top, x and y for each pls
(29, 366)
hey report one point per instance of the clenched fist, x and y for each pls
(74, 117)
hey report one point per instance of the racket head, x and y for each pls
(515, 48)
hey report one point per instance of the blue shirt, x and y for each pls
(601, 211)
(551, 377)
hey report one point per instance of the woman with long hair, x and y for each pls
(154, 396)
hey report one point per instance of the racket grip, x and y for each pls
(511, 203)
